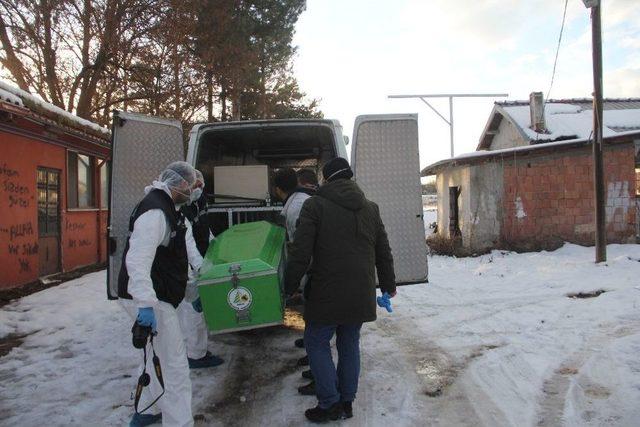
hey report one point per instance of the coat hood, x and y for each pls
(343, 192)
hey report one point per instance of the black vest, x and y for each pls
(196, 213)
(170, 265)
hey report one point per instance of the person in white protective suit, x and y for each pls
(154, 275)
(192, 321)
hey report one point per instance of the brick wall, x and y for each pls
(549, 198)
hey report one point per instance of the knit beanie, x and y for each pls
(337, 168)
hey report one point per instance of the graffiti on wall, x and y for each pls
(21, 247)
(18, 234)
(618, 201)
(75, 229)
(16, 193)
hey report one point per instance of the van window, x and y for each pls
(297, 146)
(238, 161)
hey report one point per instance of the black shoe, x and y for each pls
(303, 361)
(307, 374)
(347, 408)
(208, 361)
(299, 343)
(308, 390)
(319, 415)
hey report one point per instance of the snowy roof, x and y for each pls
(567, 120)
(16, 96)
(564, 119)
(585, 103)
(9, 97)
(467, 158)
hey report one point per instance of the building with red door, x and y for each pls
(54, 176)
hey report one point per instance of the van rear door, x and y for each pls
(385, 161)
(141, 148)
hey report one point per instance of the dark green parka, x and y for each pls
(343, 233)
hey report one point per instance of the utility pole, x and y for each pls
(450, 96)
(598, 168)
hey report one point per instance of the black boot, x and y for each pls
(303, 361)
(347, 408)
(319, 415)
(299, 343)
(307, 374)
(308, 390)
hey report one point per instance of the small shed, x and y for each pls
(530, 183)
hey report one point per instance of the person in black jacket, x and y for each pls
(190, 314)
(344, 235)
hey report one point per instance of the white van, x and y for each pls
(238, 158)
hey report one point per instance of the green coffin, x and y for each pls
(240, 280)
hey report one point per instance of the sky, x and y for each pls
(353, 54)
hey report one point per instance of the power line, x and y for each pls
(555, 62)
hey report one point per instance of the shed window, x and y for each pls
(80, 191)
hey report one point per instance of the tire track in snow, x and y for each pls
(432, 378)
(556, 388)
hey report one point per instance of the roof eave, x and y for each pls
(486, 137)
(436, 167)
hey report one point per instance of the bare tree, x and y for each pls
(183, 59)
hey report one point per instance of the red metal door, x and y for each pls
(49, 220)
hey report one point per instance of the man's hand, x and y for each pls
(384, 301)
(294, 299)
(393, 294)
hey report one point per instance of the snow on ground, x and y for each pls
(429, 211)
(492, 341)
(429, 216)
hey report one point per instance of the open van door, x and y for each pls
(385, 162)
(142, 146)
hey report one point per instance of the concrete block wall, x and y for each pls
(551, 197)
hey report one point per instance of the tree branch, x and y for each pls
(12, 62)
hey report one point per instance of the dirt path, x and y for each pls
(406, 380)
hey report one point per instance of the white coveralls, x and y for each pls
(196, 334)
(291, 213)
(194, 328)
(193, 325)
(151, 230)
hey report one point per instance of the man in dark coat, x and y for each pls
(344, 235)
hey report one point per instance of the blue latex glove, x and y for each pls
(385, 302)
(197, 305)
(146, 317)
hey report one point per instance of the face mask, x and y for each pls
(196, 193)
(182, 198)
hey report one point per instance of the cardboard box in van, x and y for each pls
(235, 184)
